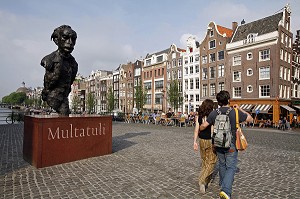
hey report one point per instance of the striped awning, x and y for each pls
(246, 107)
(298, 107)
(289, 109)
(263, 108)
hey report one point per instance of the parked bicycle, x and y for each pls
(15, 117)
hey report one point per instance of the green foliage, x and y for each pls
(14, 98)
(174, 97)
(110, 100)
(75, 103)
(91, 103)
(140, 97)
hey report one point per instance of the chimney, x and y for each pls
(234, 25)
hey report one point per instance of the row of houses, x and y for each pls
(257, 62)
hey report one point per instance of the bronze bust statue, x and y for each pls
(61, 69)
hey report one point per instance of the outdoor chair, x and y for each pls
(182, 122)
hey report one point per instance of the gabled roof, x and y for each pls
(261, 26)
(157, 53)
(222, 30)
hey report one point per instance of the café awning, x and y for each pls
(289, 109)
(262, 108)
(246, 107)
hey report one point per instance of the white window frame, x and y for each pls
(212, 44)
(237, 78)
(264, 72)
(260, 91)
(237, 60)
(249, 89)
(264, 55)
(249, 72)
(235, 90)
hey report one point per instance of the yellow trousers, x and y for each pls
(208, 161)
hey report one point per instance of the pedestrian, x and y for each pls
(207, 154)
(227, 157)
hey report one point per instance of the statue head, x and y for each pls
(65, 39)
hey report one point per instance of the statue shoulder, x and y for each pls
(48, 61)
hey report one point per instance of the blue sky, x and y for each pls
(111, 32)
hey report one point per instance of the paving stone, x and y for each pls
(152, 161)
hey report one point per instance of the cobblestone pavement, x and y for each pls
(150, 161)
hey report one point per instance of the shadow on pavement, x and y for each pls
(120, 142)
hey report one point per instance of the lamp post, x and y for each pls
(163, 99)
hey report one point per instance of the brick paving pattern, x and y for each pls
(150, 161)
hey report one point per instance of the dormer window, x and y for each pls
(251, 38)
(211, 33)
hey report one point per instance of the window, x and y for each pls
(288, 74)
(212, 89)
(186, 70)
(236, 76)
(197, 69)
(159, 84)
(191, 69)
(264, 91)
(221, 70)
(186, 60)
(204, 73)
(180, 62)
(204, 90)
(197, 57)
(249, 72)
(212, 44)
(168, 75)
(237, 91)
(179, 74)
(180, 86)
(249, 89)
(158, 98)
(212, 72)
(186, 84)
(221, 55)
(148, 62)
(281, 72)
(197, 80)
(237, 60)
(147, 85)
(191, 98)
(174, 62)
(191, 59)
(264, 55)
(250, 38)
(148, 99)
(221, 86)
(204, 59)
(197, 97)
(212, 57)
(211, 33)
(191, 83)
(249, 56)
(159, 59)
(281, 54)
(264, 72)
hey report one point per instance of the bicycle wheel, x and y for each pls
(9, 120)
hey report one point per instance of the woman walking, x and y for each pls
(207, 154)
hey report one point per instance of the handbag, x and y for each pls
(241, 142)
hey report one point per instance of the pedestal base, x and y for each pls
(52, 140)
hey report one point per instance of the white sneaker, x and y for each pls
(202, 188)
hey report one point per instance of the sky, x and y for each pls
(112, 32)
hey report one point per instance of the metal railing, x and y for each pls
(12, 117)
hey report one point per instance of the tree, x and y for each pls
(14, 98)
(110, 100)
(75, 103)
(91, 103)
(140, 96)
(174, 97)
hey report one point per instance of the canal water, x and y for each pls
(4, 112)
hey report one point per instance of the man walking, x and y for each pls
(227, 156)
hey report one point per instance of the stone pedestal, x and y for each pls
(52, 140)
